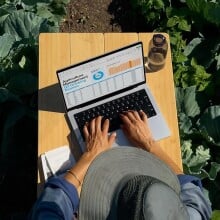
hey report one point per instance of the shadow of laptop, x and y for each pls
(50, 99)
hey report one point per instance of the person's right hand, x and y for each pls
(96, 136)
(136, 129)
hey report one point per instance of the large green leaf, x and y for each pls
(218, 61)
(209, 123)
(52, 10)
(197, 161)
(6, 42)
(194, 162)
(212, 12)
(192, 44)
(3, 16)
(193, 74)
(215, 168)
(23, 24)
(8, 7)
(212, 174)
(46, 11)
(197, 46)
(208, 10)
(187, 101)
(185, 124)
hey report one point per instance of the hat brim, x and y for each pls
(106, 173)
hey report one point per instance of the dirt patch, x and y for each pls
(102, 16)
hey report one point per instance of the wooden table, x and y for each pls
(57, 50)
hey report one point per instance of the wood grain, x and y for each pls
(54, 53)
(60, 50)
(116, 40)
(162, 86)
(86, 45)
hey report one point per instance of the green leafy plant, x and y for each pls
(209, 124)
(199, 130)
(193, 27)
(193, 74)
(152, 10)
(207, 10)
(21, 22)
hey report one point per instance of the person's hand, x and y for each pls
(97, 141)
(136, 129)
(96, 136)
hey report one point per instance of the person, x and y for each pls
(140, 182)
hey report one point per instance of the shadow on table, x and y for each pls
(50, 99)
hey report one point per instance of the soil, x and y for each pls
(101, 16)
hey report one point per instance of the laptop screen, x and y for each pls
(102, 76)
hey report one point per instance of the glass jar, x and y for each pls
(157, 52)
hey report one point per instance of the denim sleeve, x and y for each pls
(198, 206)
(59, 200)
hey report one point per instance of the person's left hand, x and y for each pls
(97, 141)
(96, 136)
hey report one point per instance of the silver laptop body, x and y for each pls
(105, 78)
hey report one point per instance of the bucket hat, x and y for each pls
(127, 179)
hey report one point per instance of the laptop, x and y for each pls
(107, 85)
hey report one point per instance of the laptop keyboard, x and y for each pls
(136, 101)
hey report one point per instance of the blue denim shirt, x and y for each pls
(60, 200)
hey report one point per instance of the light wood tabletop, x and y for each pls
(58, 50)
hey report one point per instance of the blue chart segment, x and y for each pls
(98, 75)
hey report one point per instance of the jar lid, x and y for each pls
(159, 40)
